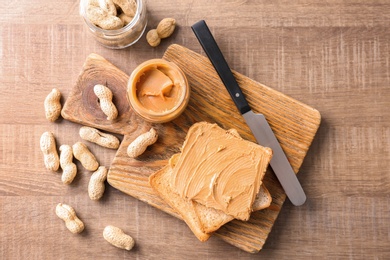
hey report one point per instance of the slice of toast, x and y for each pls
(212, 219)
(263, 199)
(220, 170)
(201, 220)
(160, 182)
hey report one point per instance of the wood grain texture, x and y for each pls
(331, 55)
(294, 124)
(83, 105)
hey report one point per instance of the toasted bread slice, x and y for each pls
(212, 219)
(220, 170)
(263, 199)
(201, 220)
(160, 182)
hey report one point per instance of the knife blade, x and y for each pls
(256, 122)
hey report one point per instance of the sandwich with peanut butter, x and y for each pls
(216, 178)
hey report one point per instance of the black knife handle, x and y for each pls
(215, 55)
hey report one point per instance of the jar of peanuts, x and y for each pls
(115, 24)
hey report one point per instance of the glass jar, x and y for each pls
(158, 91)
(119, 38)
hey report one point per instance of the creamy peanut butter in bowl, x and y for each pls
(158, 91)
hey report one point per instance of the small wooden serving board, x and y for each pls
(294, 124)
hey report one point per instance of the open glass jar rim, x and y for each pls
(122, 37)
(179, 81)
(83, 6)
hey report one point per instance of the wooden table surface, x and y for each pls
(331, 55)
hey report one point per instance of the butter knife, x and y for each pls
(256, 122)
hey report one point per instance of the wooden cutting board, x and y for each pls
(294, 124)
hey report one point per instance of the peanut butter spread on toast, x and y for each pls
(219, 169)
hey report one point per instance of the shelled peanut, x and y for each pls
(105, 96)
(96, 185)
(85, 156)
(110, 14)
(52, 105)
(68, 215)
(164, 29)
(69, 169)
(49, 150)
(116, 237)
(139, 145)
(95, 136)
